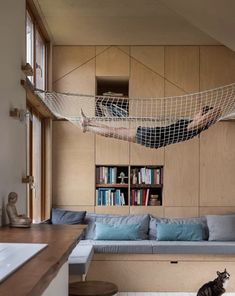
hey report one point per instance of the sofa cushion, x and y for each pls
(221, 227)
(200, 247)
(60, 216)
(179, 232)
(120, 247)
(91, 218)
(116, 232)
(154, 221)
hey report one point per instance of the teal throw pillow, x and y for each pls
(117, 232)
(179, 232)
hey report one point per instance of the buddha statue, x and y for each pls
(15, 219)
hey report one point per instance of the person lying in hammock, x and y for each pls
(159, 136)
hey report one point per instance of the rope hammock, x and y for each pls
(151, 122)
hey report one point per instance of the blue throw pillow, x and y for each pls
(179, 232)
(92, 218)
(117, 232)
(60, 216)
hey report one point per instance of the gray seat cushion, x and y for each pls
(202, 247)
(80, 259)
(161, 247)
(120, 247)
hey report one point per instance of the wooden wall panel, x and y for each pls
(66, 59)
(151, 57)
(73, 166)
(181, 171)
(89, 209)
(178, 212)
(112, 61)
(216, 210)
(111, 151)
(181, 174)
(145, 84)
(217, 66)
(157, 211)
(182, 67)
(76, 74)
(217, 165)
(123, 210)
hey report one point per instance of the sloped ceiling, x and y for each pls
(120, 22)
(214, 17)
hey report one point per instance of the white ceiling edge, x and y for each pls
(214, 17)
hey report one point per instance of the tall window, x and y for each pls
(40, 61)
(36, 51)
(29, 42)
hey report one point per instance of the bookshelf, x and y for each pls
(112, 185)
(129, 185)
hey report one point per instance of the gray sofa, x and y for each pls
(158, 265)
(148, 244)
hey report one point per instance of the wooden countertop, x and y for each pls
(35, 275)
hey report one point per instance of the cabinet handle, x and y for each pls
(174, 262)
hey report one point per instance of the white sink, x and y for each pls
(12, 256)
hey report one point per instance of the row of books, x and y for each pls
(151, 176)
(139, 197)
(142, 197)
(109, 197)
(106, 175)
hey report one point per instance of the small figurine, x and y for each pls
(16, 220)
(122, 177)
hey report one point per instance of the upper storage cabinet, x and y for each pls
(112, 95)
(113, 102)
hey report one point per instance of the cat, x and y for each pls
(215, 287)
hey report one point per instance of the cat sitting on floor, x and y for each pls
(215, 287)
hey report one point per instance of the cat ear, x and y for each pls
(218, 273)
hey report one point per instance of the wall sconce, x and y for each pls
(20, 114)
(28, 180)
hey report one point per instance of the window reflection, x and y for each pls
(29, 42)
(40, 62)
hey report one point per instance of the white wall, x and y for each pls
(12, 131)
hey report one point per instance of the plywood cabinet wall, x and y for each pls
(198, 174)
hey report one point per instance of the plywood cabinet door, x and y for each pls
(146, 81)
(217, 166)
(73, 166)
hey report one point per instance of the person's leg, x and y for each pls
(200, 120)
(127, 134)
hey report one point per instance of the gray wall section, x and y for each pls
(12, 95)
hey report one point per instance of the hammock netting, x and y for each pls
(151, 122)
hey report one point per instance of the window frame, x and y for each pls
(36, 110)
(38, 26)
